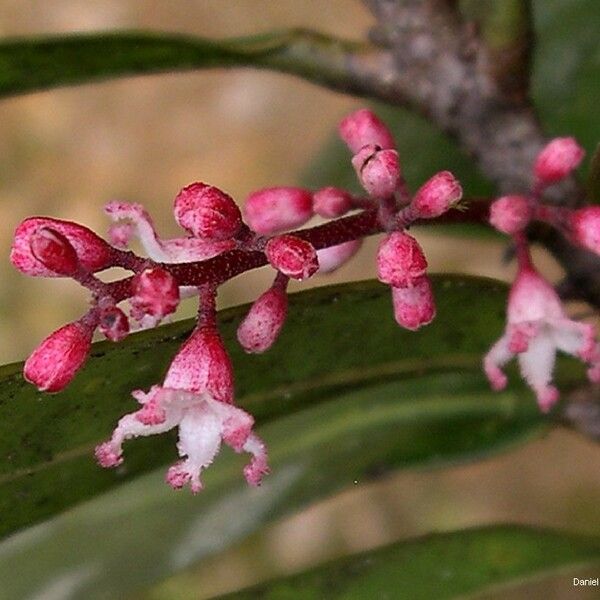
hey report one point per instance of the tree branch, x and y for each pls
(444, 66)
(227, 265)
(506, 29)
(467, 80)
(32, 64)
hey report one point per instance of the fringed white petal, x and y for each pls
(497, 356)
(143, 227)
(574, 338)
(199, 442)
(537, 363)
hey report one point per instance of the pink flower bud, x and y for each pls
(93, 253)
(414, 306)
(364, 127)
(378, 171)
(261, 326)
(207, 212)
(510, 214)
(114, 324)
(202, 365)
(273, 210)
(54, 251)
(331, 202)
(333, 258)
(400, 260)
(292, 256)
(437, 195)
(557, 159)
(155, 293)
(53, 364)
(585, 227)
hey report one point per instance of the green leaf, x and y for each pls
(30, 64)
(593, 178)
(441, 566)
(564, 85)
(505, 26)
(503, 23)
(336, 338)
(566, 68)
(144, 531)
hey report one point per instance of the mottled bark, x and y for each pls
(440, 64)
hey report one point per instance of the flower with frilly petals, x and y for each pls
(132, 220)
(197, 397)
(537, 327)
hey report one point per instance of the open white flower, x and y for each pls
(197, 397)
(537, 327)
(203, 424)
(132, 220)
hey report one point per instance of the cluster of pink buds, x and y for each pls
(197, 393)
(537, 324)
(401, 262)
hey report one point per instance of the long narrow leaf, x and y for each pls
(144, 531)
(30, 64)
(336, 338)
(442, 566)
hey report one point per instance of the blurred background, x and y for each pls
(65, 153)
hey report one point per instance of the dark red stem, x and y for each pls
(522, 251)
(557, 216)
(219, 269)
(207, 309)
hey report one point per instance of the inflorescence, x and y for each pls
(197, 393)
(537, 325)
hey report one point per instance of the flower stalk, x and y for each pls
(220, 241)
